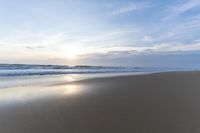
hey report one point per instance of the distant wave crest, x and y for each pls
(28, 70)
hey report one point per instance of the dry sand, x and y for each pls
(155, 103)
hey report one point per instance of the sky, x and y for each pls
(101, 32)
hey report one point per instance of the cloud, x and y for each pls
(156, 49)
(35, 47)
(182, 8)
(129, 8)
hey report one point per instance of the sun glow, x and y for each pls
(72, 52)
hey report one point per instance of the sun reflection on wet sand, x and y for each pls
(69, 78)
(72, 89)
(28, 93)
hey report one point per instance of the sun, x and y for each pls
(71, 52)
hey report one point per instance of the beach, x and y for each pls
(165, 102)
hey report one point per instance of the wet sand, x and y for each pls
(154, 103)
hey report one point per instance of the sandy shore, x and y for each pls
(155, 103)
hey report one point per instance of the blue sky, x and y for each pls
(100, 32)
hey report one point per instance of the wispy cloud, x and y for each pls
(121, 9)
(34, 47)
(182, 8)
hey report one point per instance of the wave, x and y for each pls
(29, 70)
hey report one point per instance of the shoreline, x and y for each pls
(123, 75)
